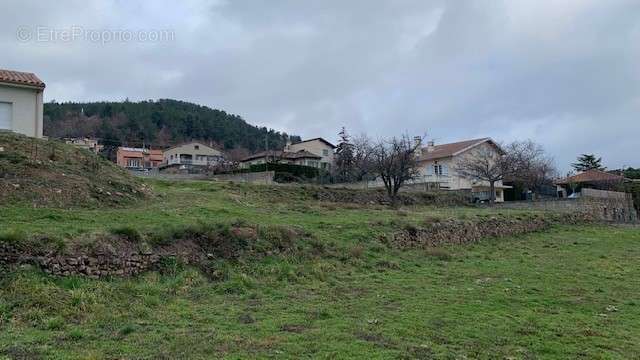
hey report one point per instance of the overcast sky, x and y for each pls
(563, 73)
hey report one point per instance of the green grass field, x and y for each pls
(571, 292)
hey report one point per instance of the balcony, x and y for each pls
(190, 161)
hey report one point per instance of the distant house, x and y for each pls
(317, 146)
(301, 157)
(85, 143)
(590, 179)
(192, 154)
(138, 158)
(438, 165)
(21, 104)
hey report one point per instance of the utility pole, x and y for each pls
(266, 151)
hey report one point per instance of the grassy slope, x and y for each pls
(39, 172)
(567, 293)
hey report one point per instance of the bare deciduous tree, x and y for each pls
(395, 162)
(362, 158)
(483, 164)
(529, 165)
(522, 161)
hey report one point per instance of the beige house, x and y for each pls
(301, 157)
(85, 143)
(192, 153)
(21, 104)
(317, 146)
(438, 165)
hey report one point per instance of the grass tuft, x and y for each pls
(438, 253)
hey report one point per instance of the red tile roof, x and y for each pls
(319, 139)
(21, 78)
(451, 149)
(591, 176)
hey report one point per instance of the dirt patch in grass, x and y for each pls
(293, 328)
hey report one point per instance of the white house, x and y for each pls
(317, 146)
(438, 165)
(21, 104)
(192, 153)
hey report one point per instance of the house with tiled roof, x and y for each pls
(21, 102)
(438, 165)
(590, 179)
(317, 153)
(301, 157)
(138, 158)
(316, 146)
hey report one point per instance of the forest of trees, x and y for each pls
(158, 123)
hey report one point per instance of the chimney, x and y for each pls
(430, 145)
(417, 141)
(287, 147)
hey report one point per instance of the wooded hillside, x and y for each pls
(158, 123)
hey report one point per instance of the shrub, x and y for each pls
(13, 237)
(128, 233)
(127, 330)
(170, 265)
(276, 237)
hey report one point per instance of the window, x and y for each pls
(325, 152)
(197, 147)
(441, 170)
(133, 163)
(6, 115)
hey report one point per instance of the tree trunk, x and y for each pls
(492, 192)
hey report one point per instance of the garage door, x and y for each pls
(5, 116)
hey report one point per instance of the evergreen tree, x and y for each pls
(344, 157)
(588, 162)
(156, 123)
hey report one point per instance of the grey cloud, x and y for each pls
(562, 73)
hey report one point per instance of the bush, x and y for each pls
(278, 238)
(170, 265)
(13, 237)
(128, 233)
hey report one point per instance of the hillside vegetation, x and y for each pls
(50, 173)
(160, 123)
(320, 279)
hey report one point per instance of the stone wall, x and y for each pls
(94, 265)
(612, 209)
(440, 198)
(451, 232)
(263, 177)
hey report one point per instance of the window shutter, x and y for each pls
(429, 169)
(445, 169)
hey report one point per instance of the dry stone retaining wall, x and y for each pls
(94, 265)
(618, 210)
(452, 231)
